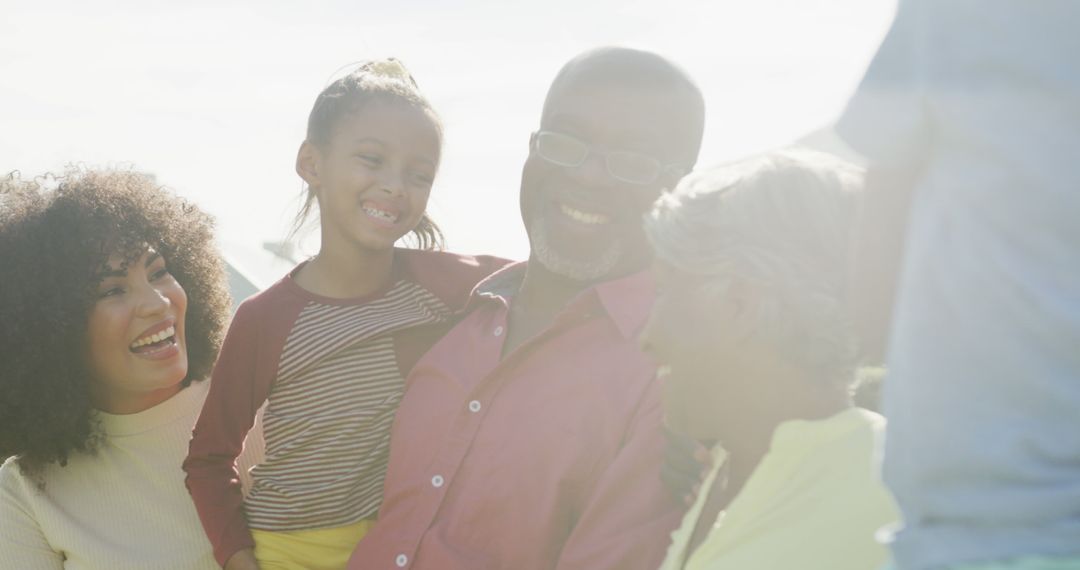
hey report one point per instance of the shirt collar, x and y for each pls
(793, 436)
(503, 284)
(185, 403)
(626, 300)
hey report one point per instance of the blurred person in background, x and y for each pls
(968, 278)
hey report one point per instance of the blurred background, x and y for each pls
(213, 97)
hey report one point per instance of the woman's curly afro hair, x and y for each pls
(53, 246)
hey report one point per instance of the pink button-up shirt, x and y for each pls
(548, 458)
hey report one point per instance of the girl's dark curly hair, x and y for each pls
(53, 247)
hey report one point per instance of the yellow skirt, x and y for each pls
(319, 549)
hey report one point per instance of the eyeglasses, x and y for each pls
(625, 166)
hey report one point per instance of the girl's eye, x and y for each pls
(423, 179)
(111, 292)
(160, 273)
(371, 159)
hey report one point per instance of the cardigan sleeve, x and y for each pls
(237, 391)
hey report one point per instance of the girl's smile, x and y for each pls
(381, 214)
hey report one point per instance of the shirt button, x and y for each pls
(498, 331)
(401, 560)
(474, 406)
(437, 481)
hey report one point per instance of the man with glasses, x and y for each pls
(530, 436)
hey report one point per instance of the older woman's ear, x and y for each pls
(737, 308)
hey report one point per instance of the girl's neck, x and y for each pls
(347, 274)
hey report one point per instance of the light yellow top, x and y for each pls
(814, 502)
(123, 508)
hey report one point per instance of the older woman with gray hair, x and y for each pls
(750, 330)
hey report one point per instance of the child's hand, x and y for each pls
(242, 560)
(686, 464)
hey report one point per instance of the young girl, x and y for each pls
(112, 310)
(328, 346)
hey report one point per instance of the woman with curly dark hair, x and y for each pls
(112, 311)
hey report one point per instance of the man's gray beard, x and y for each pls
(578, 270)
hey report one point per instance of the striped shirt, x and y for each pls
(330, 372)
(327, 422)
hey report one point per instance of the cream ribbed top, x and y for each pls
(124, 507)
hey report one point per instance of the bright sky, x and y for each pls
(213, 96)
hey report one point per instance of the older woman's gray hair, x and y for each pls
(782, 223)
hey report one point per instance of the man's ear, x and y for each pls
(307, 164)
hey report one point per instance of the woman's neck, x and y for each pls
(794, 396)
(115, 401)
(347, 274)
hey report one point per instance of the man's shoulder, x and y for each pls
(450, 276)
(478, 266)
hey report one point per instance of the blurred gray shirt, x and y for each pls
(983, 395)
